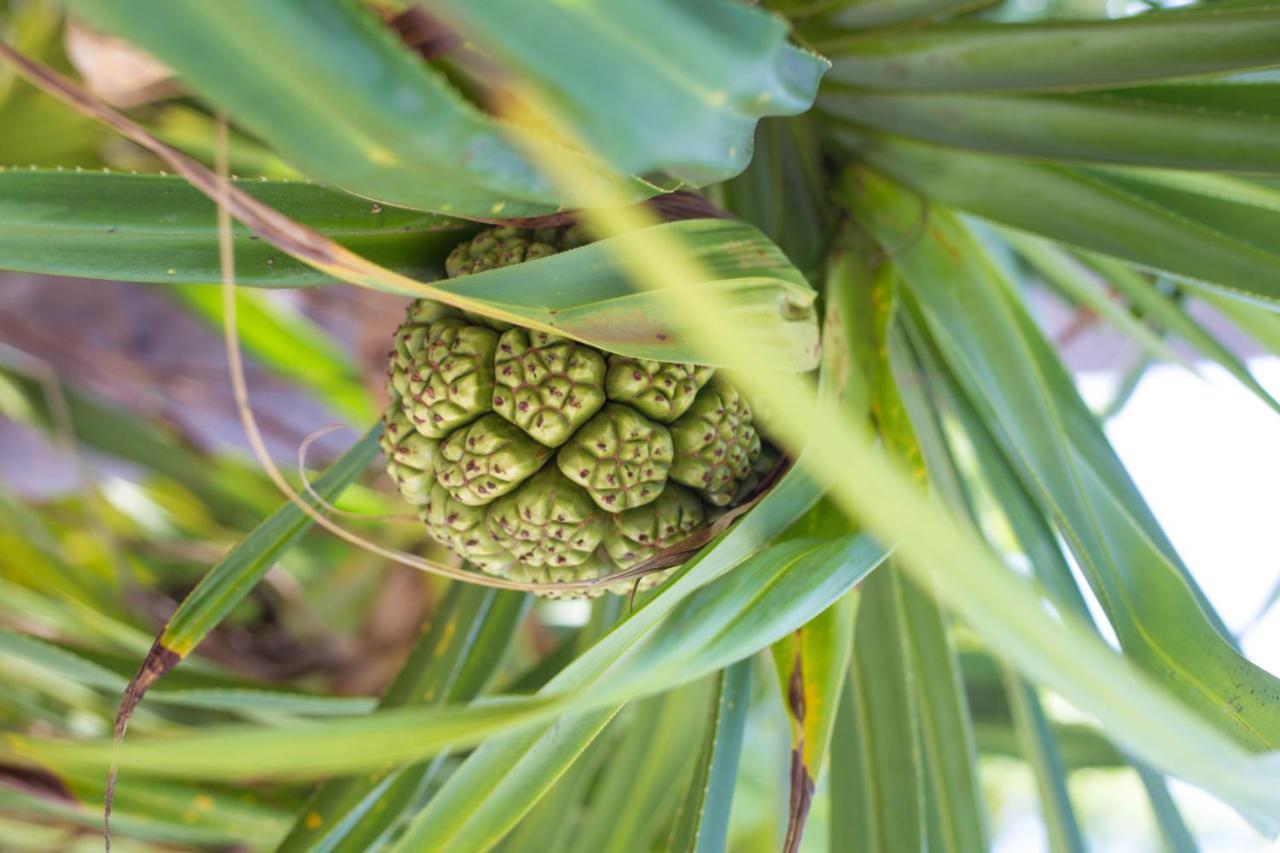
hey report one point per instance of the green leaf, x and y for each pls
(1078, 745)
(1177, 837)
(1012, 377)
(341, 99)
(685, 104)
(1204, 240)
(884, 809)
(550, 825)
(702, 824)
(1040, 747)
(813, 665)
(765, 598)
(69, 618)
(926, 392)
(1120, 127)
(555, 770)
(470, 810)
(637, 790)
(994, 601)
(54, 661)
(1082, 746)
(946, 732)
(37, 129)
(468, 639)
(161, 229)
(1260, 324)
(784, 192)
(338, 97)
(874, 14)
(228, 582)
(195, 133)
(866, 300)
(1058, 55)
(158, 811)
(589, 295)
(473, 812)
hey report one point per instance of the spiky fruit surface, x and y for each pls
(716, 443)
(638, 534)
(620, 457)
(464, 530)
(487, 459)
(561, 574)
(449, 380)
(544, 460)
(548, 521)
(660, 390)
(547, 386)
(411, 456)
(501, 247)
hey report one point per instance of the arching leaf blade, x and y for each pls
(1010, 374)
(1089, 211)
(155, 228)
(467, 639)
(686, 104)
(1060, 55)
(1122, 127)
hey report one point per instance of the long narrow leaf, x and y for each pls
(1010, 373)
(813, 664)
(162, 229)
(997, 603)
(1060, 55)
(946, 732)
(468, 638)
(1078, 284)
(342, 100)
(1200, 241)
(885, 712)
(703, 822)
(765, 598)
(238, 572)
(636, 793)
(1041, 750)
(1123, 127)
(1038, 543)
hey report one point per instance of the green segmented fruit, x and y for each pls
(500, 247)
(716, 443)
(546, 385)
(463, 530)
(411, 456)
(476, 415)
(637, 534)
(660, 390)
(761, 468)
(486, 459)
(525, 573)
(449, 379)
(547, 521)
(620, 457)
